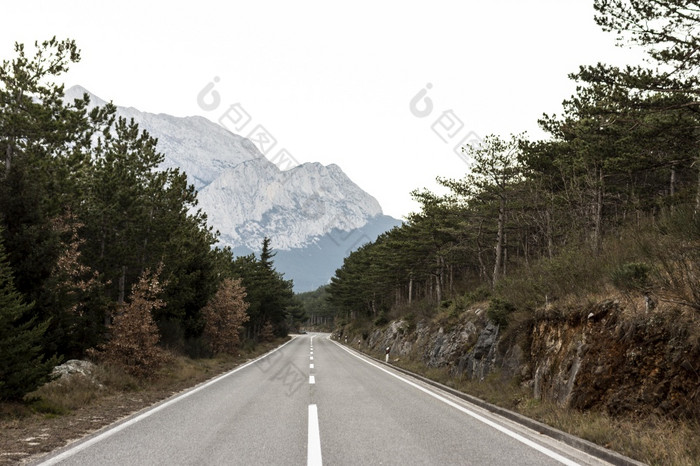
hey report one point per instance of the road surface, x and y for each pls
(313, 401)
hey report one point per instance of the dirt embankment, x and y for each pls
(621, 361)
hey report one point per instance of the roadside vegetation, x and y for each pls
(645, 266)
(69, 393)
(606, 206)
(80, 402)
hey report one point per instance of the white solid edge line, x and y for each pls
(476, 416)
(313, 446)
(108, 433)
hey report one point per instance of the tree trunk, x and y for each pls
(145, 239)
(410, 290)
(8, 158)
(672, 187)
(122, 285)
(697, 192)
(505, 253)
(103, 239)
(482, 266)
(550, 242)
(438, 278)
(526, 250)
(597, 233)
(438, 289)
(499, 242)
(452, 278)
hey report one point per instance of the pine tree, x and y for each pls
(22, 366)
(44, 143)
(267, 333)
(137, 216)
(266, 255)
(670, 82)
(224, 317)
(496, 168)
(269, 294)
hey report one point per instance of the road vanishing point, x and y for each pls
(313, 401)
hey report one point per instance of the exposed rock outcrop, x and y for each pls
(600, 356)
(74, 366)
(75, 369)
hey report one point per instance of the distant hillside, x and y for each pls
(313, 265)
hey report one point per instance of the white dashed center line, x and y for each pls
(313, 449)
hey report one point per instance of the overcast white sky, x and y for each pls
(332, 82)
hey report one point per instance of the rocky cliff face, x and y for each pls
(469, 346)
(601, 356)
(624, 362)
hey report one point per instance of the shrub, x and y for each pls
(481, 293)
(499, 311)
(410, 319)
(47, 407)
(631, 276)
(381, 319)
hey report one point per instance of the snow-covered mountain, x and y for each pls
(309, 211)
(254, 199)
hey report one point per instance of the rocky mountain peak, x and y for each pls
(247, 197)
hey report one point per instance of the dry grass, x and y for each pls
(67, 394)
(76, 406)
(653, 440)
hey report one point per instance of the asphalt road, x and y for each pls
(315, 402)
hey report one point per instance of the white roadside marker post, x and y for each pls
(387, 354)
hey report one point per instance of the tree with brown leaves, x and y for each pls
(224, 317)
(73, 278)
(134, 340)
(76, 306)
